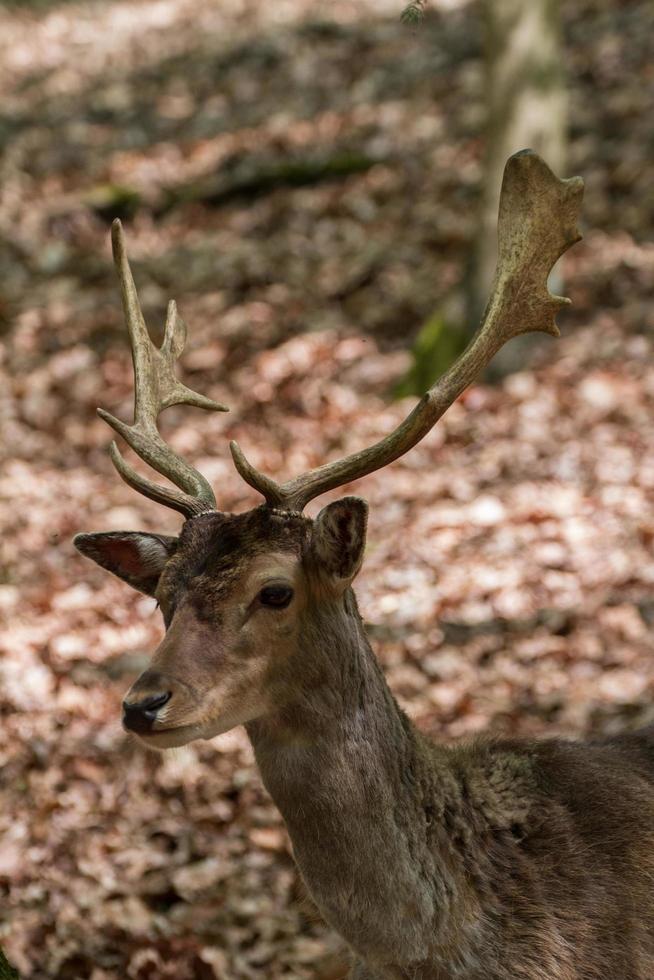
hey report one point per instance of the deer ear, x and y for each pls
(339, 538)
(136, 557)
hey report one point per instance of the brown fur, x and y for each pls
(489, 860)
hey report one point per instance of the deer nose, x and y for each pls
(139, 716)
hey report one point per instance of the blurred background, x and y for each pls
(312, 182)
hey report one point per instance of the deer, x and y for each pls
(490, 859)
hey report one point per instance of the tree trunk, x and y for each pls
(526, 108)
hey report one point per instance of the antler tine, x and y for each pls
(537, 224)
(155, 389)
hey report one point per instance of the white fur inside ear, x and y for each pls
(339, 537)
(152, 555)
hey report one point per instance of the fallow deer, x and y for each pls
(488, 860)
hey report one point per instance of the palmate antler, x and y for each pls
(156, 388)
(537, 223)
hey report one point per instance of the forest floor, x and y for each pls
(302, 177)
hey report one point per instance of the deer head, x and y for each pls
(240, 594)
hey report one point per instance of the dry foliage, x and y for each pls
(508, 583)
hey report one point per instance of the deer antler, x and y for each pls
(537, 223)
(156, 388)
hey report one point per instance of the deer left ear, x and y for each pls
(339, 538)
(136, 557)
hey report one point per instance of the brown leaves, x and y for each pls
(509, 571)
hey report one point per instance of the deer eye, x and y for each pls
(276, 596)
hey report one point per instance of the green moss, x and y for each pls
(111, 201)
(435, 348)
(7, 971)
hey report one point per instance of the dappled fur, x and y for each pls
(486, 860)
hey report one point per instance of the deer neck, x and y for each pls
(358, 789)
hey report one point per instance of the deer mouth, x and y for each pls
(170, 738)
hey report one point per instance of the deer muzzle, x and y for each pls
(140, 713)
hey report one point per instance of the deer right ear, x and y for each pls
(135, 557)
(339, 539)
